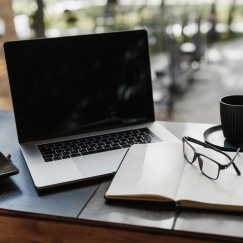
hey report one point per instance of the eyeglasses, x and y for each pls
(208, 166)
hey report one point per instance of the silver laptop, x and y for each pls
(80, 102)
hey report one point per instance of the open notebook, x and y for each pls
(159, 172)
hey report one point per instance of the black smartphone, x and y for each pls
(7, 168)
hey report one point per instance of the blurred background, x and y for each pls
(196, 46)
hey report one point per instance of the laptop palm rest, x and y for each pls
(100, 163)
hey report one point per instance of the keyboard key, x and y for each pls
(46, 154)
(82, 150)
(58, 150)
(123, 143)
(65, 153)
(126, 146)
(75, 155)
(115, 144)
(107, 146)
(46, 150)
(57, 154)
(91, 149)
(99, 147)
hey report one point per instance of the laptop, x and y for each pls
(80, 102)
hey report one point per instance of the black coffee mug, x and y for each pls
(231, 114)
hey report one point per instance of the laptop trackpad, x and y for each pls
(100, 163)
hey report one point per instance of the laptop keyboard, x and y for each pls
(96, 144)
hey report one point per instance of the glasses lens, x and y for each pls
(208, 167)
(188, 152)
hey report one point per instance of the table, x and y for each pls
(79, 213)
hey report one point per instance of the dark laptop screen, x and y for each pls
(69, 85)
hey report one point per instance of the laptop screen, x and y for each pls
(70, 85)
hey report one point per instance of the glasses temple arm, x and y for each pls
(195, 141)
(232, 162)
(207, 146)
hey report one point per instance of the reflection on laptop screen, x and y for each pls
(69, 85)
